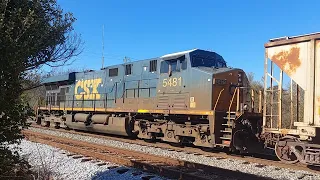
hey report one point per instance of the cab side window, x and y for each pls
(164, 67)
(183, 63)
(173, 65)
(169, 65)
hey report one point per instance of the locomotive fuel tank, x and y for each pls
(100, 123)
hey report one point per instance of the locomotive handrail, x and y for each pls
(214, 109)
(252, 93)
(234, 93)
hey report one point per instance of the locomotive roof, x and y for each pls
(63, 77)
(71, 76)
(178, 53)
(59, 78)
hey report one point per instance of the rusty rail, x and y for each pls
(164, 166)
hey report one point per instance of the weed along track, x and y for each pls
(167, 167)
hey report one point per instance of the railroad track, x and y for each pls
(163, 166)
(260, 161)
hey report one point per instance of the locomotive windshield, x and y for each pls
(199, 61)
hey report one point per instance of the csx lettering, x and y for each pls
(87, 89)
(171, 82)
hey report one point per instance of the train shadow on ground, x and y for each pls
(122, 172)
(315, 168)
(157, 172)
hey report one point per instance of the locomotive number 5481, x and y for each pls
(172, 82)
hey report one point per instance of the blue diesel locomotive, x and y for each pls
(185, 97)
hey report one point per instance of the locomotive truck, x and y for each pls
(193, 97)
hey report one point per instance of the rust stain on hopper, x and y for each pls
(288, 61)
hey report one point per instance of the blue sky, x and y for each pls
(142, 29)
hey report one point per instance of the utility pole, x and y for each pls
(102, 46)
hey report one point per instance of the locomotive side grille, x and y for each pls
(179, 102)
(163, 102)
(153, 66)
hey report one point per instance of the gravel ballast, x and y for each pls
(231, 164)
(62, 165)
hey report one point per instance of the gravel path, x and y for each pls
(62, 166)
(232, 164)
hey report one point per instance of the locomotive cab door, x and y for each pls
(171, 83)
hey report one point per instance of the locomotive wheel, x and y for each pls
(283, 152)
(152, 139)
(241, 141)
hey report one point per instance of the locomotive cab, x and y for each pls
(198, 80)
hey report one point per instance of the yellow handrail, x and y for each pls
(214, 109)
(234, 93)
(238, 99)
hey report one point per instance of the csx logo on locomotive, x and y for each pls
(87, 89)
